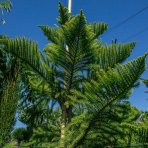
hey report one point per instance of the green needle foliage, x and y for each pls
(9, 67)
(87, 79)
(5, 5)
(145, 81)
(8, 76)
(20, 134)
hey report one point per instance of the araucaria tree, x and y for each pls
(85, 78)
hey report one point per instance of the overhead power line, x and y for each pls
(136, 34)
(127, 19)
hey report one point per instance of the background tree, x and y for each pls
(8, 92)
(5, 5)
(20, 134)
(8, 85)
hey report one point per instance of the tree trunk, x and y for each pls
(63, 125)
(18, 144)
(129, 140)
(66, 118)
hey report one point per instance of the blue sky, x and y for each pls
(26, 15)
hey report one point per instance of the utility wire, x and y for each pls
(127, 19)
(136, 34)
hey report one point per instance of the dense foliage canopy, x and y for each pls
(75, 92)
